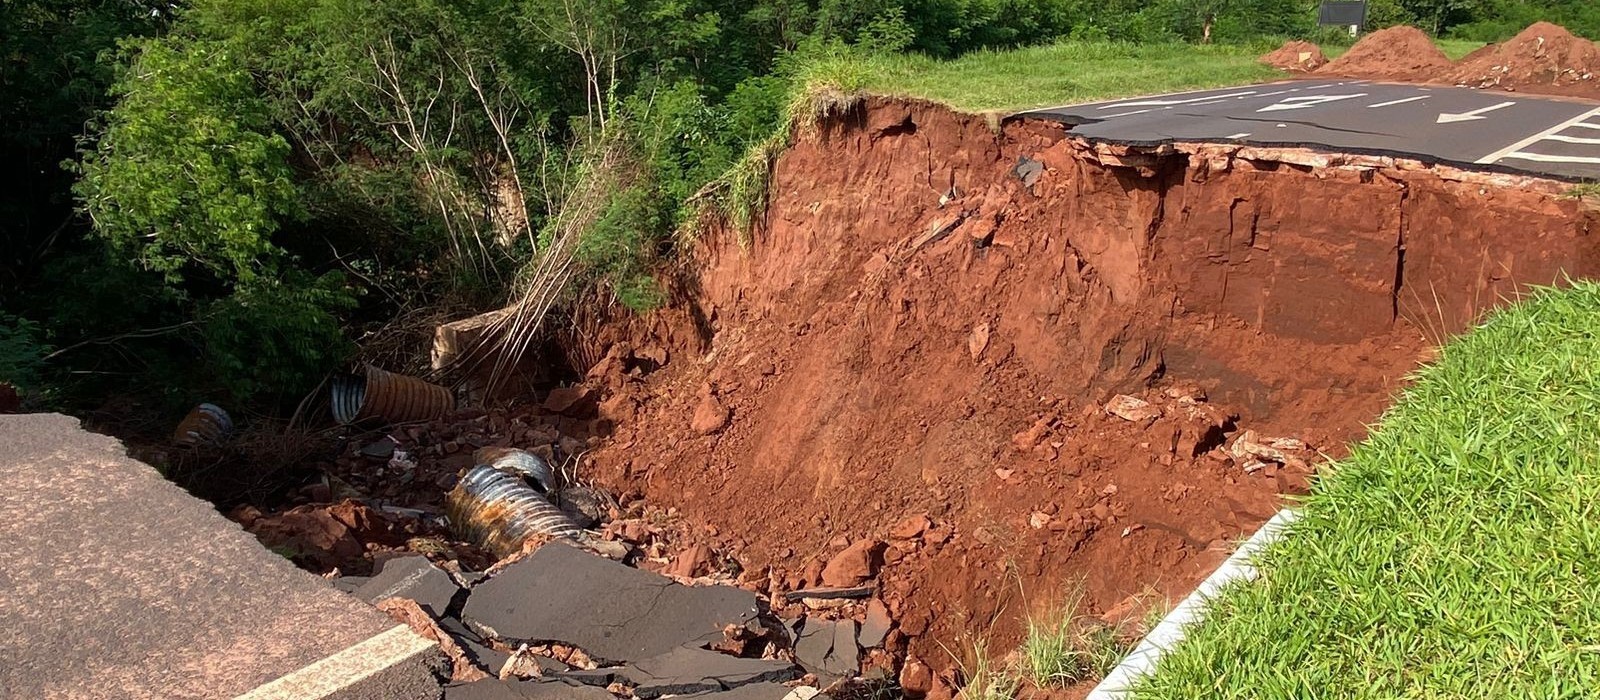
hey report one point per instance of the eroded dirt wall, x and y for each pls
(924, 329)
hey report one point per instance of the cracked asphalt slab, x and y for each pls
(1478, 129)
(118, 584)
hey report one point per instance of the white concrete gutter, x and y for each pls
(1167, 635)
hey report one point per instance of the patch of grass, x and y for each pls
(1061, 649)
(1064, 72)
(986, 680)
(1586, 190)
(1454, 554)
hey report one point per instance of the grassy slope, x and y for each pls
(1064, 72)
(1074, 71)
(1454, 554)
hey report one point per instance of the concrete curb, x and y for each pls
(1169, 634)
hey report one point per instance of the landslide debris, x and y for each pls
(1398, 53)
(1296, 56)
(1543, 58)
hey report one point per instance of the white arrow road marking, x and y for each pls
(1587, 125)
(1579, 120)
(1305, 101)
(1166, 103)
(1449, 117)
(1398, 102)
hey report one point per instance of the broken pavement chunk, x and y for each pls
(414, 578)
(496, 689)
(851, 593)
(760, 691)
(689, 670)
(876, 627)
(613, 612)
(828, 648)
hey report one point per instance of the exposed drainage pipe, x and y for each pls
(1169, 633)
(500, 512)
(395, 398)
(207, 424)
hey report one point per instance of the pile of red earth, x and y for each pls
(1296, 57)
(1397, 53)
(1544, 56)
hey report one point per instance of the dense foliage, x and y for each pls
(215, 198)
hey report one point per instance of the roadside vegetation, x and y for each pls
(1452, 554)
(226, 200)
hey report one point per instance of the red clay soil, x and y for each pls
(912, 358)
(1402, 53)
(1545, 58)
(1296, 57)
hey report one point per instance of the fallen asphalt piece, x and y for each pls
(760, 691)
(415, 578)
(615, 613)
(687, 670)
(496, 689)
(118, 584)
(828, 648)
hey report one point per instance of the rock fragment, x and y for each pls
(828, 648)
(854, 566)
(710, 416)
(1133, 409)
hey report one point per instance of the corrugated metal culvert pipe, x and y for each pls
(386, 396)
(499, 511)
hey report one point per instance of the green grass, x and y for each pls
(1454, 554)
(1065, 72)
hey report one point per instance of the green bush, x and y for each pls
(189, 171)
(278, 337)
(22, 352)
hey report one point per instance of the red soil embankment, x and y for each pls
(1543, 58)
(1296, 57)
(1397, 53)
(916, 347)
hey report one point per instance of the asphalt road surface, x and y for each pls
(1512, 132)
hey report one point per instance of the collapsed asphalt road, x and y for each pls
(1545, 136)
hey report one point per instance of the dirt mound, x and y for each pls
(1397, 53)
(1544, 58)
(1296, 57)
(921, 347)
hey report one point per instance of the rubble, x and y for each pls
(496, 689)
(413, 578)
(854, 566)
(828, 648)
(564, 594)
(1132, 409)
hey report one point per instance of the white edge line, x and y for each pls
(1167, 635)
(1146, 97)
(1587, 125)
(1547, 158)
(1497, 155)
(345, 668)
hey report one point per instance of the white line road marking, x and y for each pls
(1277, 92)
(1544, 158)
(1587, 125)
(1398, 102)
(1570, 139)
(1473, 115)
(1238, 136)
(1305, 101)
(1128, 114)
(1575, 121)
(1165, 103)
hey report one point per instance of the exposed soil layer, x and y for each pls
(1296, 57)
(1397, 53)
(905, 373)
(1544, 57)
